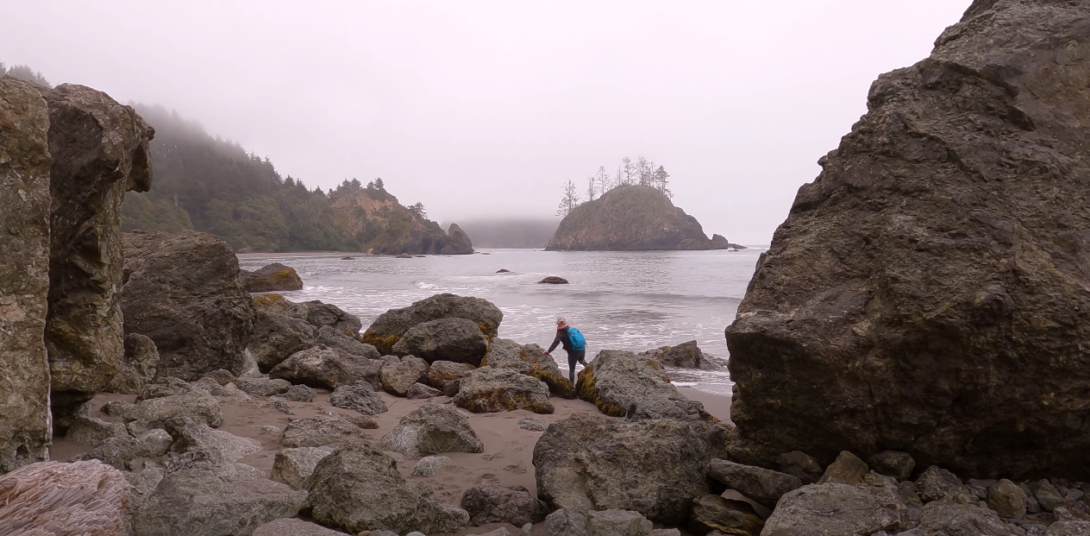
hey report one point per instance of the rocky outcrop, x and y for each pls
(531, 360)
(85, 498)
(395, 229)
(625, 384)
(490, 390)
(936, 263)
(278, 336)
(656, 467)
(138, 366)
(25, 428)
(459, 241)
(183, 292)
(685, 355)
(390, 326)
(328, 368)
(446, 339)
(359, 488)
(629, 218)
(271, 278)
(99, 151)
(321, 431)
(432, 429)
(839, 509)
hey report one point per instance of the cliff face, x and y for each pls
(630, 218)
(383, 226)
(930, 290)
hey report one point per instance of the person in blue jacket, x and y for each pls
(574, 344)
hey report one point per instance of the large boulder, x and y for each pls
(460, 244)
(360, 396)
(138, 367)
(390, 326)
(493, 503)
(685, 355)
(490, 390)
(936, 263)
(145, 415)
(625, 384)
(183, 292)
(445, 339)
(277, 337)
(761, 485)
(446, 376)
(324, 314)
(328, 368)
(531, 360)
(293, 466)
(271, 278)
(398, 378)
(329, 336)
(656, 467)
(359, 488)
(432, 429)
(25, 432)
(100, 151)
(85, 498)
(948, 518)
(839, 510)
(320, 431)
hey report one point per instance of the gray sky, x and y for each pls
(485, 108)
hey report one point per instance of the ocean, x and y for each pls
(620, 300)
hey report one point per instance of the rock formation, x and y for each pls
(460, 241)
(630, 218)
(384, 226)
(24, 274)
(929, 292)
(390, 326)
(623, 384)
(100, 151)
(271, 278)
(183, 292)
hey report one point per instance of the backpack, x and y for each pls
(578, 343)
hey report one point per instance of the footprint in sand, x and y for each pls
(490, 457)
(516, 468)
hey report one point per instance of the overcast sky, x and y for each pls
(484, 109)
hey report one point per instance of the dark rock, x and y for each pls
(299, 393)
(154, 413)
(441, 372)
(684, 355)
(332, 338)
(899, 465)
(263, 386)
(801, 465)
(565, 523)
(137, 367)
(293, 527)
(359, 396)
(624, 384)
(322, 430)
(937, 483)
(398, 379)
(328, 368)
(494, 503)
(445, 339)
(359, 488)
(948, 518)
(419, 391)
(47, 498)
(271, 278)
(503, 271)
(712, 512)
(432, 429)
(581, 461)
(529, 359)
(629, 218)
(1047, 495)
(554, 280)
(390, 326)
(323, 314)
(25, 433)
(847, 469)
(927, 272)
(617, 523)
(183, 292)
(293, 466)
(460, 244)
(1007, 499)
(856, 509)
(909, 494)
(490, 390)
(222, 377)
(763, 486)
(99, 150)
(277, 337)
(722, 243)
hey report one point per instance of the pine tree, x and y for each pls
(603, 180)
(591, 189)
(570, 200)
(662, 178)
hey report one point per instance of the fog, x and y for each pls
(484, 109)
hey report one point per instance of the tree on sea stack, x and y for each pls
(570, 200)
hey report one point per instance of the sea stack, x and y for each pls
(929, 292)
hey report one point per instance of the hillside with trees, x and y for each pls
(641, 172)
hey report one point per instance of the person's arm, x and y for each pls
(556, 341)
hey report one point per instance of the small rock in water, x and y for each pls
(503, 271)
(554, 280)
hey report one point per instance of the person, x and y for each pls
(563, 338)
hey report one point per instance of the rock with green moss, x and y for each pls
(390, 326)
(624, 384)
(529, 359)
(445, 339)
(271, 278)
(490, 390)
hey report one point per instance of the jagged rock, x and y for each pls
(89, 431)
(397, 379)
(565, 523)
(533, 425)
(332, 338)
(53, 498)
(937, 483)
(294, 527)
(459, 241)
(489, 390)
(153, 413)
(927, 271)
(214, 499)
(322, 430)
(271, 278)
(324, 314)
(190, 436)
(25, 432)
(1047, 495)
(143, 484)
(624, 384)
(359, 488)
(137, 366)
(530, 360)
(299, 393)
(582, 461)
(846, 469)
(432, 429)
(1067, 524)
(763, 486)
(183, 292)
(359, 396)
(714, 513)
(419, 391)
(228, 392)
(1007, 499)
(899, 465)
(328, 368)
(684, 355)
(617, 523)
(445, 339)
(278, 336)
(293, 466)
(263, 386)
(390, 326)
(909, 494)
(493, 503)
(553, 280)
(948, 518)
(121, 451)
(801, 465)
(428, 465)
(441, 373)
(839, 509)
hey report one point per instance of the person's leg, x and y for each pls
(582, 356)
(573, 358)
